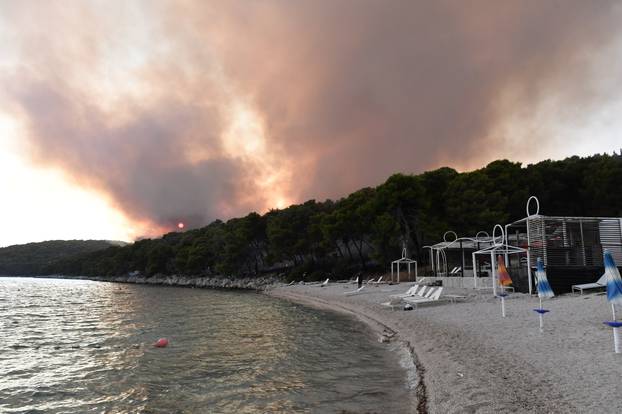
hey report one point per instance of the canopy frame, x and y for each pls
(498, 247)
(395, 264)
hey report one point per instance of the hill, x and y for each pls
(367, 229)
(33, 258)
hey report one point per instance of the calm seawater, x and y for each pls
(71, 346)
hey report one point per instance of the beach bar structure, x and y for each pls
(453, 257)
(571, 247)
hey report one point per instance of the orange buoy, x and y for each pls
(161, 343)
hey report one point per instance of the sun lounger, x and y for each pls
(431, 298)
(422, 291)
(453, 298)
(423, 281)
(600, 283)
(355, 292)
(410, 292)
(377, 281)
(324, 283)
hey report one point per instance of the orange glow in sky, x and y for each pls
(119, 119)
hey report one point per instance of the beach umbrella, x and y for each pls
(614, 296)
(544, 290)
(614, 282)
(504, 280)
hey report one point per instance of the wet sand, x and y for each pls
(472, 360)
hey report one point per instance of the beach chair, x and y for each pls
(355, 292)
(600, 283)
(422, 291)
(429, 298)
(324, 283)
(377, 281)
(410, 292)
(453, 271)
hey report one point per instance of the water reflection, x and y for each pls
(81, 346)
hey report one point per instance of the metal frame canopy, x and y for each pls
(405, 260)
(439, 263)
(565, 241)
(497, 248)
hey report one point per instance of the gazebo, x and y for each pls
(459, 249)
(499, 247)
(395, 264)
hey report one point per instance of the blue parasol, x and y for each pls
(614, 281)
(614, 296)
(544, 290)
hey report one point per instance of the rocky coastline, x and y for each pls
(260, 283)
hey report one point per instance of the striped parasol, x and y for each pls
(614, 296)
(614, 281)
(544, 289)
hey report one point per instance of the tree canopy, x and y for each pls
(367, 229)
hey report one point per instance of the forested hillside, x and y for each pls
(35, 258)
(366, 229)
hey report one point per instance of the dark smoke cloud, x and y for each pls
(348, 91)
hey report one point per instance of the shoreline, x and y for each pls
(256, 284)
(472, 360)
(376, 326)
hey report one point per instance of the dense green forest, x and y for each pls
(366, 230)
(35, 258)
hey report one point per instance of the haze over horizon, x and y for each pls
(122, 119)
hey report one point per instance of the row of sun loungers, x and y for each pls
(420, 295)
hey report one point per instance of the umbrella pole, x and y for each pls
(613, 310)
(541, 323)
(616, 340)
(502, 301)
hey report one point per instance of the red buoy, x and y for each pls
(161, 343)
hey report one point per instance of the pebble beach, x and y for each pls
(469, 359)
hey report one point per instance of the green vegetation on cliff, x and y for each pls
(366, 229)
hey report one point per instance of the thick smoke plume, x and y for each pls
(198, 110)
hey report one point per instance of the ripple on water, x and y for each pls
(86, 347)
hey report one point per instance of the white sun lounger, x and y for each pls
(600, 283)
(324, 283)
(429, 298)
(377, 281)
(355, 292)
(410, 292)
(422, 291)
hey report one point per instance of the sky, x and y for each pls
(121, 119)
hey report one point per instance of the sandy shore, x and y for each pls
(474, 361)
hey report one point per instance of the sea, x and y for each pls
(78, 346)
